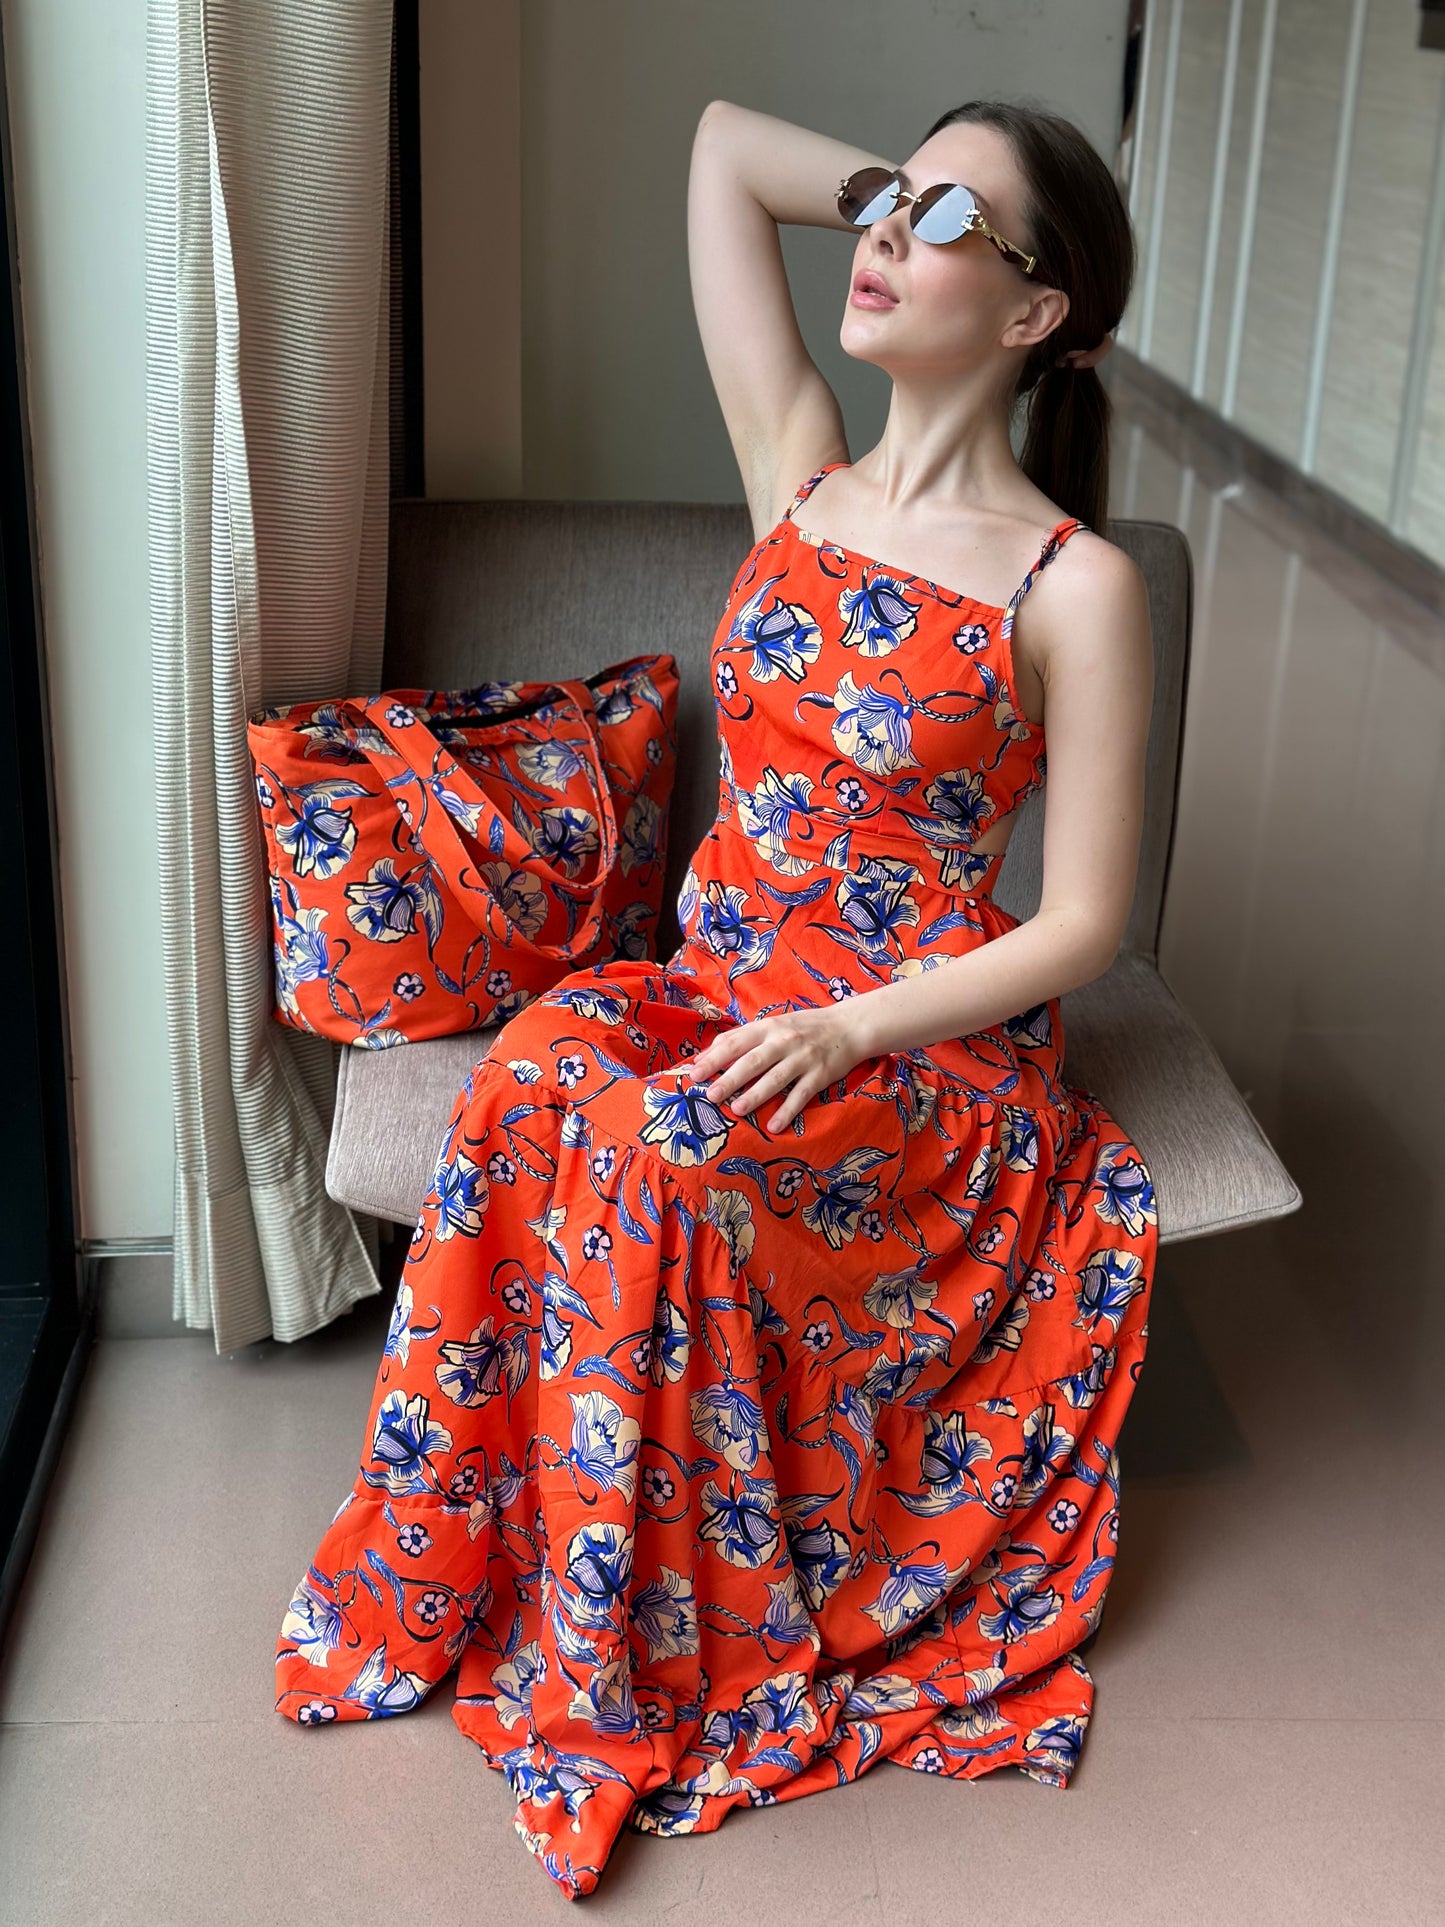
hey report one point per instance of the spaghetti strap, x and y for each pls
(1057, 536)
(807, 489)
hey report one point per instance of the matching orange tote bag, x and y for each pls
(438, 858)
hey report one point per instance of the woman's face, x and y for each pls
(958, 305)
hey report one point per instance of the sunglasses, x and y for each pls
(942, 213)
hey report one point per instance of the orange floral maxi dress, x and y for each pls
(723, 1464)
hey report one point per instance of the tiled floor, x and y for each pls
(1268, 1742)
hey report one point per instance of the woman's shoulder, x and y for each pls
(1091, 587)
(1091, 561)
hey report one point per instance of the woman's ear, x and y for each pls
(1048, 309)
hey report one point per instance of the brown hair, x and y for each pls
(1076, 222)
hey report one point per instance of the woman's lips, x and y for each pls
(872, 298)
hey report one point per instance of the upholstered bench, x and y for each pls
(532, 589)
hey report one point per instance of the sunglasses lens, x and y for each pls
(942, 213)
(868, 195)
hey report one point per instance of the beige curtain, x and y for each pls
(267, 383)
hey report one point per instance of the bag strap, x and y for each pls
(412, 743)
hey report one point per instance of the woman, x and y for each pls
(748, 1411)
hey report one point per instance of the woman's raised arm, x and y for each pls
(749, 172)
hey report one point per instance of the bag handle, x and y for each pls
(410, 741)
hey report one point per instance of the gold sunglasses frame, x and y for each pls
(975, 220)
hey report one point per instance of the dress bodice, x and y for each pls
(865, 709)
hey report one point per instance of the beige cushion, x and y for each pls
(528, 589)
(1126, 1040)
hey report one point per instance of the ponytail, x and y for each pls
(1066, 442)
(1076, 223)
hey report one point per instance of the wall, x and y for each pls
(76, 79)
(615, 396)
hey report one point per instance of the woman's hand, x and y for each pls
(805, 1048)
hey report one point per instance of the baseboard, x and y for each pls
(129, 1283)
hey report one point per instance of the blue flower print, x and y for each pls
(322, 839)
(594, 1002)
(784, 640)
(606, 1701)
(641, 833)
(891, 1379)
(1007, 718)
(1046, 1451)
(466, 814)
(779, 1705)
(731, 1213)
(384, 1690)
(686, 1127)
(402, 1445)
(970, 638)
(876, 905)
(897, 1297)
(397, 1343)
(668, 1810)
(844, 1192)
(521, 898)
(387, 906)
(872, 729)
(462, 1194)
(726, 1419)
(513, 1681)
(787, 1621)
(821, 1558)
(688, 896)
(476, 1369)
(669, 1342)
(884, 1693)
(1106, 1285)
(1005, 1334)
(571, 1778)
(742, 1525)
(664, 1615)
(1018, 1137)
(625, 699)
(599, 1565)
(1057, 1744)
(336, 737)
(912, 1588)
(1124, 1190)
(743, 941)
(878, 616)
(301, 949)
(1027, 1608)
(564, 837)
(551, 762)
(950, 1451)
(958, 810)
(771, 814)
(605, 1443)
(556, 1334)
(312, 1623)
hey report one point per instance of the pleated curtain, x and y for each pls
(268, 294)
